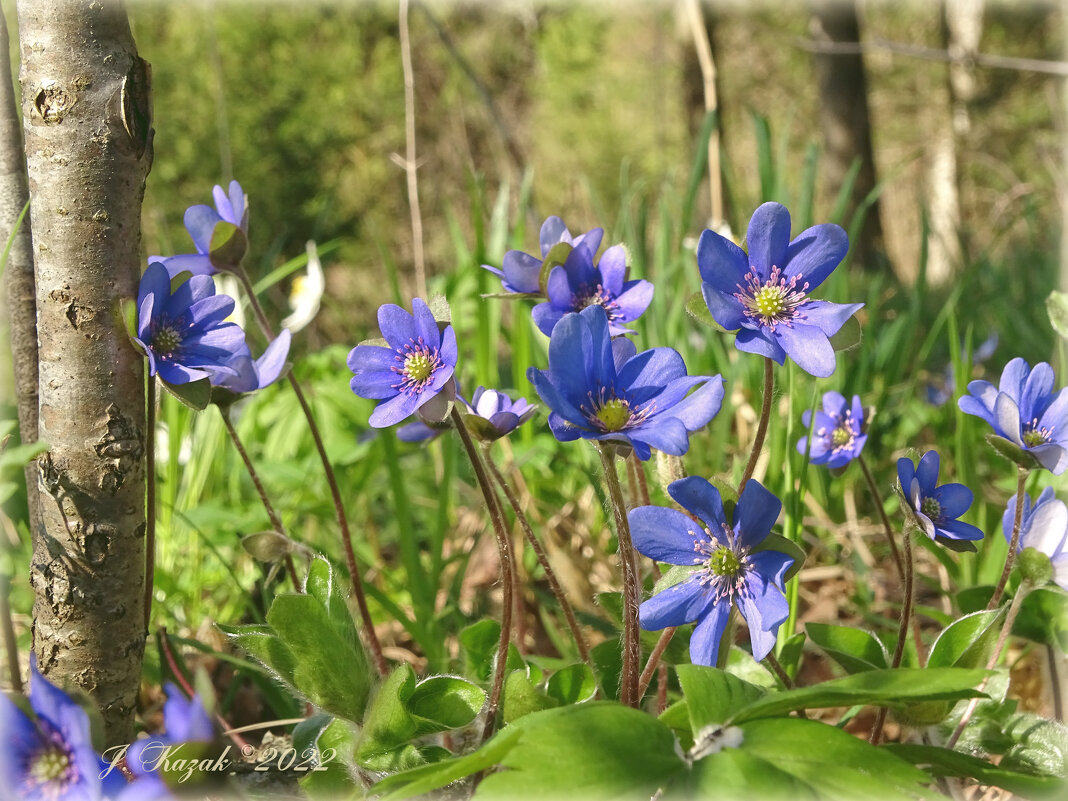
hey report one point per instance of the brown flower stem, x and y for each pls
(1006, 629)
(150, 494)
(887, 528)
(902, 631)
(543, 559)
(504, 549)
(762, 425)
(272, 515)
(779, 670)
(639, 474)
(331, 480)
(628, 687)
(654, 660)
(1014, 543)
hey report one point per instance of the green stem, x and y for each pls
(902, 630)
(628, 687)
(150, 494)
(1006, 629)
(504, 549)
(762, 425)
(887, 528)
(543, 559)
(11, 647)
(1014, 542)
(331, 480)
(272, 515)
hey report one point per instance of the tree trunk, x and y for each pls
(845, 121)
(18, 272)
(86, 119)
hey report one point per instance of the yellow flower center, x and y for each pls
(1033, 439)
(50, 767)
(166, 340)
(724, 562)
(614, 414)
(841, 436)
(769, 301)
(418, 366)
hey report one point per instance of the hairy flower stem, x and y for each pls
(632, 654)
(331, 480)
(272, 515)
(504, 549)
(1014, 543)
(543, 559)
(1006, 628)
(150, 494)
(654, 659)
(902, 630)
(762, 425)
(779, 671)
(887, 528)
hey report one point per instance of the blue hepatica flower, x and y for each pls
(253, 374)
(578, 284)
(416, 368)
(600, 388)
(730, 571)
(49, 756)
(184, 333)
(521, 273)
(200, 221)
(838, 436)
(1025, 410)
(1044, 527)
(936, 509)
(501, 415)
(764, 294)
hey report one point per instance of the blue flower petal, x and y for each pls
(764, 608)
(756, 513)
(665, 535)
(697, 409)
(1007, 419)
(675, 606)
(563, 429)
(704, 642)
(906, 471)
(959, 530)
(555, 399)
(634, 299)
(602, 363)
(365, 358)
(756, 341)
(395, 409)
(834, 406)
(768, 239)
(1052, 456)
(699, 496)
(725, 309)
(546, 316)
(1036, 388)
(808, 346)
(553, 232)
(666, 434)
(815, 253)
(722, 263)
(655, 367)
(1013, 378)
(980, 402)
(397, 326)
(211, 310)
(613, 269)
(927, 472)
(200, 222)
(954, 499)
(826, 316)
(520, 272)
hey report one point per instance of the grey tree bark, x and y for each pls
(844, 119)
(18, 272)
(86, 120)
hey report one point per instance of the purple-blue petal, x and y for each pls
(656, 367)
(613, 269)
(954, 499)
(828, 317)
(699, 496)
(808, 346)
(704, 642)
(665, 535)
(756, 513)
(396, 325)
(722, 264)
(768, 239)
(666, 434)
(683, 603)
(200, 221)
(757, 341)
(958, 530)
(725, 309)
(927, 472)
(697, 409)
(546, 316)
(634, 299)
(395, 409)
(520, 272)
(815, 253)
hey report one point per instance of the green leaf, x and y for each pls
(1057, 309)
(445, 702)
(330, 671)
(333, 741)
(388, 727)
(698, 310)
(834, 764)
(521, 697)
(713, 695)
(479, 643)
(890, 688)
(790, 653)
(572, 684)
(967, 642)
(856, 650)
(1013, 452)
(734, 773)
(1041, 745)
(1043, 617)
(18, 456)
(944, 762)
(776, 542)
(676, 574)
(608, 661)
(848, 336)
(179, 279)
(322, 585)
(195, 394)
(262, 645)
(228, 246)
(128, 312)
(590, 751)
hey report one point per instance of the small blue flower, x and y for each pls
(838, 436)
(730, 568)
(200, 222)
(416, 368)
(936, 509)
(764, 294)
(184, 333)
(600, 388)
(501, 415)
(253, 374)
(521, 272)
(1044, 527)
(49, 756)
(1025, 410)
(577, 284)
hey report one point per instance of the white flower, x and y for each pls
(306, 293)
(227, 284)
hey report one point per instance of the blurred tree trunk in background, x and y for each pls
(845, 121)
(18, 271)
(86, 119)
